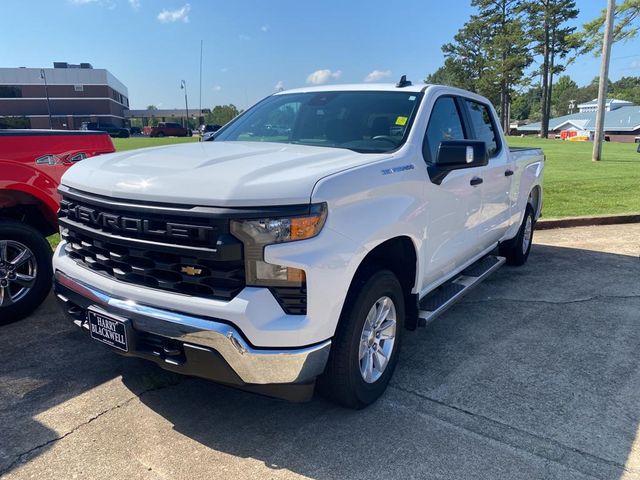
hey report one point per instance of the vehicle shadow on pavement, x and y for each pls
(535, 374)
(46, 364)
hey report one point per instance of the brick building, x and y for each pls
(67, 94)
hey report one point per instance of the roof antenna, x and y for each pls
(403, 82)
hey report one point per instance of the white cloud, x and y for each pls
(178, 15)
(244, 37)
(635, 64)
(217, 88)
(102, 3)
(279, 86)
(377, 75)
(265, 28)
(323, 76)
(135, 4)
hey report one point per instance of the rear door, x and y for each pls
(454, 205)
(496, 176)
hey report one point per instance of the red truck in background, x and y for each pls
(31, 165)
(168, 129)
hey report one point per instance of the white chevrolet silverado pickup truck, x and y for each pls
(302, 242)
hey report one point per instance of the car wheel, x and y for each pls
(516, 251)
(159, 134)
(365, 348)
(25, 270)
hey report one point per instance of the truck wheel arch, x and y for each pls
(24, 207)
(534, 200)
(398, 254)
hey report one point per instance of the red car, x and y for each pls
(31, 165)
(168, 129)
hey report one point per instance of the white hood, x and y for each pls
(214, 173)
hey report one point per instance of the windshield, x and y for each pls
(368, 122)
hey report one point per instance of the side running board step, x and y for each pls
(439, 300)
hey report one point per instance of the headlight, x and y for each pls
(256, 234)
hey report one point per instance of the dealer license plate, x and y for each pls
(107, 329)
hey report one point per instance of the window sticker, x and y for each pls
(401, 121)
(412, 98)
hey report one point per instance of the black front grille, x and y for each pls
(180, 263)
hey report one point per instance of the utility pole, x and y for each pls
(183, 86)
(200, 119)
(604, 79)
(43, 76)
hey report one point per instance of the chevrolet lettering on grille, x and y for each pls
(120, 223)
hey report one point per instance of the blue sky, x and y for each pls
(250, 47)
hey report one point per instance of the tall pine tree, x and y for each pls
(507, 52)
(489, 54)
(627, 24)
(553, 41)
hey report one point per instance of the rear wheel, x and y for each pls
(25, 270)
(365, 349)
(159, 134)
(516, 250)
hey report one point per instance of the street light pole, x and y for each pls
(604, 78)
(43, 76)
(183, 85)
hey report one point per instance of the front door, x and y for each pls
(453, 207)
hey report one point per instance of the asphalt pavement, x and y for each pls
(535, 374)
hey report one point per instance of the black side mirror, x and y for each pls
(455, 155)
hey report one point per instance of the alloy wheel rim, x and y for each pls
(526, 238)
(377, 339)
(18, 270)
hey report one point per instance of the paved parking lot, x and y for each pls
(535, 375)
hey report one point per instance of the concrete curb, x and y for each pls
(543, 224)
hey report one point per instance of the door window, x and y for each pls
(444, 124)
(483, 126)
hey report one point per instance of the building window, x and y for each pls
(78, 88)
(10, 91)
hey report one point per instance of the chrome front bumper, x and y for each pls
(254, 366)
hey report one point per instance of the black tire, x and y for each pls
(159, 134)
(342, 381)
(514, 250)
(31, 238)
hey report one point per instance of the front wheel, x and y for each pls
(516, 250)
(25, 270)
(367, 343)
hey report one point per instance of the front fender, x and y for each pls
(358, 220)
(33, 182)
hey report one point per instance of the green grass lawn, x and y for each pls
(131, 143)
(576, 186)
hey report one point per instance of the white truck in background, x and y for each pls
(302, 242)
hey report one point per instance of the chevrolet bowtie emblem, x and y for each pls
(189, 270)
